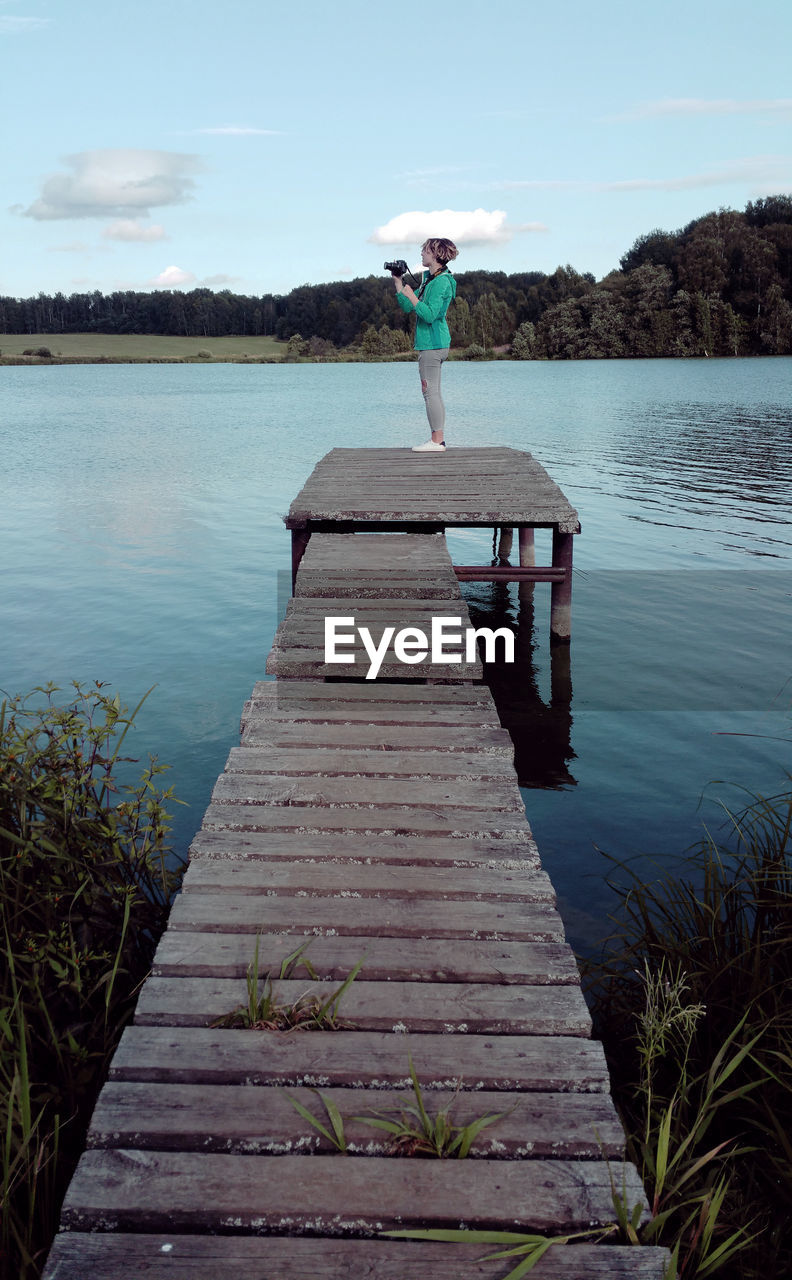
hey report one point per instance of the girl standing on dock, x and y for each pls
(436, 292)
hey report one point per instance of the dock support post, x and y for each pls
(300, 538)
(561, 592)
(527, 547)
(505, 542)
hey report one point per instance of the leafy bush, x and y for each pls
(704, 1080)
(85, 885)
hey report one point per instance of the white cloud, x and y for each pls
(477, 226)
(119, 182)
(132, 230)
(210, 282)
(753, 169)
(172, 277)
(240, 131)
(708, 107)
(16, 26)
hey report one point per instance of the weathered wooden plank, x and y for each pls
(372, 588)
(422, 547)
(369, 608)
(470, 766)
(306, 626)
(379, 575)
(352, 915)
(79, 1256)
(384, 546)
(448, 483)
(280, 732)
(280, 789)
(385, 713)
(268, 690)
(501, 494)
(392, 819)
(228, 955)
(260, 1120)
(361, 847)
(515, 884)
(377, 571)
(444, 1008)
(296, 664)
(437, 509)
(152, 1191)
(360, 1059)
(296, 633)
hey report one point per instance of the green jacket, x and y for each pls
(431, 330)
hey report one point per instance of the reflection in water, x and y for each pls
(541, 730)
(141, 537)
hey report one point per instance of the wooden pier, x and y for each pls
(376, 821)
(397, 491)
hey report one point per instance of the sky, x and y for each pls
(256, 147)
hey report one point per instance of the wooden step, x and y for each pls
(328, 791)
(198, 1055)
(516, 851)
(81, 1256)
(132, 1189)
(228, 955)
(444, 1008)
(255, 1119)
(373, 880)
(350, 915)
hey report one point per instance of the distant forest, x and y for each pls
(720, 286)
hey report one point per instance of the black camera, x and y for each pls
(397, 268)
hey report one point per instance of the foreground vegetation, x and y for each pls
(85, 882)
(690, 996)
(722, 285)
(692, 1001)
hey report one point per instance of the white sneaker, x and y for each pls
(429, 447)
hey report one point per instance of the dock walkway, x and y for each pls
(382, 822)
(397, 491)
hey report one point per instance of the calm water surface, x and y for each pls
(141, 543)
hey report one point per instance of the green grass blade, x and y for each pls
(389, 1126)
(336, 1120)
(472, 1130)
(311, 1118)
(330, 1005)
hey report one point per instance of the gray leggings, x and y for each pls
(430, 364)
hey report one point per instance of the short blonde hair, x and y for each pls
(444, 250)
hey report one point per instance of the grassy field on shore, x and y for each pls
(138, 346)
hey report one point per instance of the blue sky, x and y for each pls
(257, 147)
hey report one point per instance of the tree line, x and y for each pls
(722, 285)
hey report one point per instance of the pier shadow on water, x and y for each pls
(540, 725)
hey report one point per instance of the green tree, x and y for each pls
(524, 342)
(461, 324)
(776, 323)
(492, 321)
(296, 347)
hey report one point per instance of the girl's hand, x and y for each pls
(397, 280)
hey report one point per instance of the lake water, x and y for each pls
(141, 543)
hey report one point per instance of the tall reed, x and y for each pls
(692, 998)
(86, 877)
